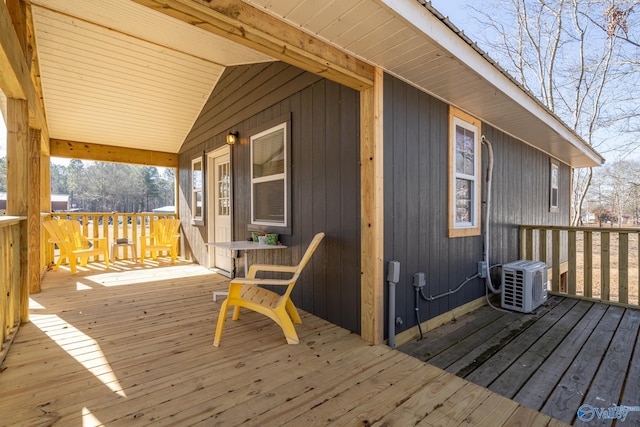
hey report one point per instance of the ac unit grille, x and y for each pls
(524, 285)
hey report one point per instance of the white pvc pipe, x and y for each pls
(488, 215)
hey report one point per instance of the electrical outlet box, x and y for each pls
(393, 272)
(419, 280)
(482, 269)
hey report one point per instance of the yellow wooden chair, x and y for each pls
(73, 245)
(246, 292)
(164, 237)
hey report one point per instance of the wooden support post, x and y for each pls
(17, 158)
(33, 212)
(17, 196)
(372, 220)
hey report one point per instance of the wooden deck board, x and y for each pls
(472, 352)
(133, 346)
(570, 353)
(527, 335)
(536, 390)
(575, 381)
(514, 377)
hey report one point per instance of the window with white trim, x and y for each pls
(464, 174)
(197, 203)
(270, 177)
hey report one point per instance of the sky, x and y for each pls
(458, 12)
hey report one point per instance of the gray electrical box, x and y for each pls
(419, 280)
(393, 272)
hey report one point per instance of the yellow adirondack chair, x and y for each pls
(164, 237)
(246, 292)
(73, 245)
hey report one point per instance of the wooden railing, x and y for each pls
(111, 225)
(587, 262)
(14, 288)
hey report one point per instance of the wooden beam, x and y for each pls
(17, 11)
(372, 208)
(109, 153)
(15, 78)
(253, 28)
(34, 65)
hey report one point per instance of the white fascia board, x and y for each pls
(419, 17)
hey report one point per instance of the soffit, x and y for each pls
(120, 74)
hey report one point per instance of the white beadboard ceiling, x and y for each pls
(407, 40)
(117, 73)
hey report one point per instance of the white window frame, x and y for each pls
(284, 177)
(195, 190)
(457, 228)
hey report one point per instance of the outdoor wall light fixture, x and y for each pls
(232, 137)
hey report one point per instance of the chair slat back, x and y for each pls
(309, 252)
(303, 262)
(165, 230)
(56, 230)
(74, 231)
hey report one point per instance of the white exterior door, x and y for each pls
(219, 168)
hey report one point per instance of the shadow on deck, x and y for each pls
(567, 354)
(133, 346)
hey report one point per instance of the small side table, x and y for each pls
(128, 244)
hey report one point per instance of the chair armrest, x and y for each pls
(94, 239)
(253, 281)
(268, 267)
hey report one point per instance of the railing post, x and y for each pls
(623, 268)
(542, 235)
(555, 260)
(588, 263)
(605, 265)
(572, 258)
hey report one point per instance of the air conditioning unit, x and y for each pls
(524, 285)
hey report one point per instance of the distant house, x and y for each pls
(59, 202)
(165, 210)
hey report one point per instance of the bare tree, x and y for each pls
(574, 56)
(616, 190)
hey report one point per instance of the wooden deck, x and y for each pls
(566, 354)
(133, 346)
